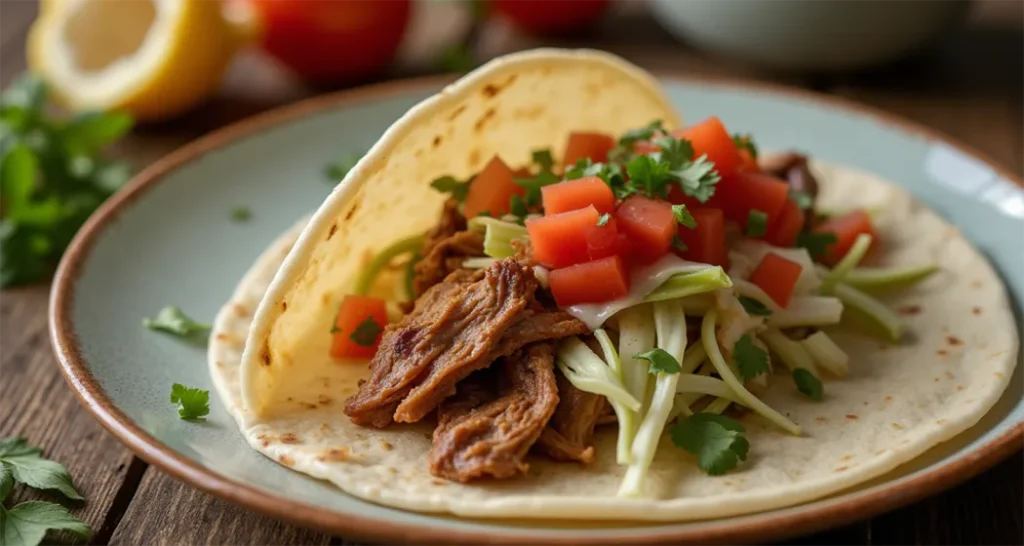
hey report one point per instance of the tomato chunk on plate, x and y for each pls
(846, 228)
(777, 276)
(358, 327)
(649, 226)
(710, 137)
(590, 282)
(578, 194)
(587, 145)
(492, 190)
(706, 242)
(560, 240)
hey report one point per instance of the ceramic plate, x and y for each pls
(169, 239)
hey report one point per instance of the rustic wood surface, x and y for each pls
(969, 87)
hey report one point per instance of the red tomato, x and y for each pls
(551, 16)
(748, 191)
(846, 229)
(336, 41)
(603, 241)
(777, 277)
(706, 242)
(784, 231)
(649, 226)
(360, 319)
(748, 163)
(583, 145)
(590, 282)
(710, 137)
(560, 240)
(578, 194)
(492, 190)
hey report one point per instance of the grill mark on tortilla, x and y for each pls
(332, 231)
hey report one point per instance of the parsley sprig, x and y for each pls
(718, 441)
(751, 360)
(193, 403)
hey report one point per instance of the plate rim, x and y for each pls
(803, 518)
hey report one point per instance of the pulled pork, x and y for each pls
(568, 435)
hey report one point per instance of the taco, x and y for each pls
(541, 295)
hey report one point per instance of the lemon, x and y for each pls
(152, 58)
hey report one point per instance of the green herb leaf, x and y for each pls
(6, 482)
(335, 172)
(456, 58)
(678, 244)
(754, 308)
(448, 184)
(26, 465)
(750, 359)
(611, 173)
(649, 175)
(88, 132)
(603, 219)
(660, 361)
(677, 151)
(366, 333)
(543, 159)
(757, 223)
(718, 441)
(534, 184)
(624, 148)
(27, 523)
(807, 384)
(172, 320)
(241, 214)
(698, 178)
(683, 216)
(193, 404)
(744, 142)
(816, 243)
(518, 207)
(801, 198)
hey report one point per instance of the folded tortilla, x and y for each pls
(269, 349)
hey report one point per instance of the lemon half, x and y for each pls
(152, 58)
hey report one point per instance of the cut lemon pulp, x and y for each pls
(152, 58)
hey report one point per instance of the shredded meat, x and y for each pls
(450, 333)
(444, 257)
(568, 434)
(483, 433)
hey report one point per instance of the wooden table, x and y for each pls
(970, 87)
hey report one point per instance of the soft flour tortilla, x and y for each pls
(898, 401)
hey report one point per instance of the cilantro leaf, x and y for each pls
(543, 159)
(698, 178)
(335, 172)
(757, 223)
(28, 522)
(718, 441)
(241, 214)
(750, 359)
(816, 243)
(677, 151)
(518, 207)
(678, 244)
(172, 320)
(683, 216)
(448, 184)
(544, 177)
(366, 333)
(660, 361)
(603, 219)
(807, 384)
(193, 404)
(754, 307)
(643, 133)
(744, 142)
(648, 175)
(88, 132)
(25, 464)
(801, 198)
(611, 173)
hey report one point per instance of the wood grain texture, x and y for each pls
(969, 86)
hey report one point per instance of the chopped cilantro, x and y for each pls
(757, 223)
(648, 175)
(543, 158)
(241, 214)
(448, 184)
(172, 320)
(801, 198)
(611, 173)
(807, 384)
(743, 142)
(678, 244)
(193, 404)
(544, 177)
(518, 207)
(660, 361)
(366, 333)
(815, 243)
(624, 148)
(683, 216)
(603, 219)
(677, 151)
(754, 307)
(750, 359)
(335, 172)
(698, 178)
(718, 441)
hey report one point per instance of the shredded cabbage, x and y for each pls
(877, 313)
(623, 413)
(369, 273)
(498, 236)
(807, 311)
(873, 279)
(850, 260)
(587, 372)
(825, 352)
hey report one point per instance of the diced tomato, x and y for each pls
(789, 224)
(777, 277)
(644, 147)
(649, 226)
(745, 192)
(710, 137)
(560, 240)
(590, 282)
(603, 241)
(846, 229)
(361, 319)
(706, 242)
(578, 194)
(747, 162)
(492, 190)
(587, 145)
